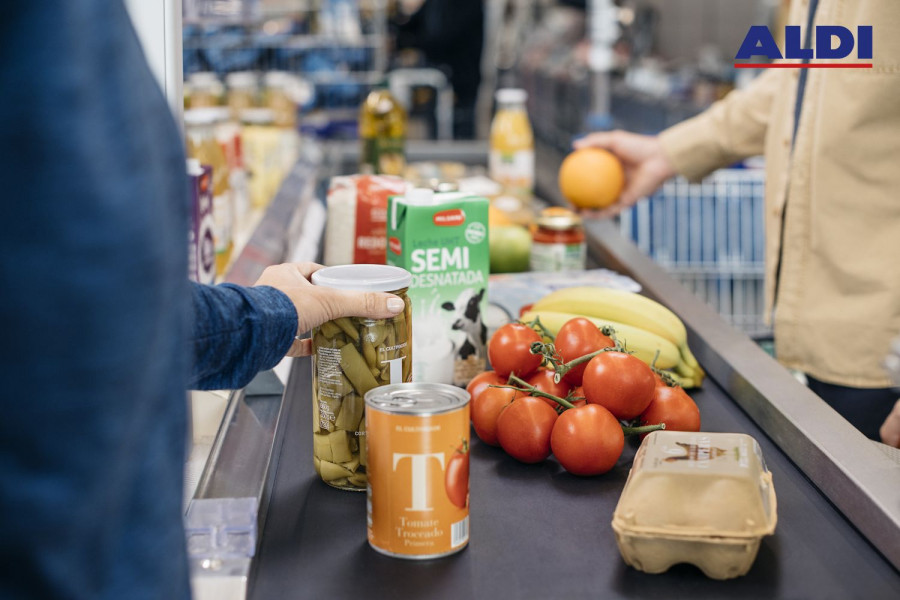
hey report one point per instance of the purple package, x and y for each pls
(201, 243)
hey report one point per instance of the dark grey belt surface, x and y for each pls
(537, 532)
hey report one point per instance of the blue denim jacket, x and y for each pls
(238, 332)
(95, 312)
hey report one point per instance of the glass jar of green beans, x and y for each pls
(350, 356)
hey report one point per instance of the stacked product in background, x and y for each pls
(203, 146)
(201, 236)
(356, 231)
(269, 152)
(442, 239)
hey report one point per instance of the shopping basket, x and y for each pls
(710, 236)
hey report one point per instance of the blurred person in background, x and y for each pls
(831, 140)
(101, 330)
(450, 34)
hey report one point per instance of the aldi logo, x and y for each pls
(832, 44)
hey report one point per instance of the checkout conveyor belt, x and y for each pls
(539, 532)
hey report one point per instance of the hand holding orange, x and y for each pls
(591, 178)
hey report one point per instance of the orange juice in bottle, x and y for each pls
(511, 162)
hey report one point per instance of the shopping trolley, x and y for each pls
(710, 236)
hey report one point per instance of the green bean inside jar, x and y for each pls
(350, 356)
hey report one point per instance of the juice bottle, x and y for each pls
(382, 132)
(241, 93)
(278, 98)
(200, 128)
(205, 90)
(261, 146)
(511, 162)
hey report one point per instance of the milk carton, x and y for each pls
(442, 239)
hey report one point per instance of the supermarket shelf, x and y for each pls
(232, 473)
(344, 156)
(278, 230)
(296, 42)
(229, 507)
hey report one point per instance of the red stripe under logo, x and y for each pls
(803, 65)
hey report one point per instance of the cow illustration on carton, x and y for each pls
(467, 313)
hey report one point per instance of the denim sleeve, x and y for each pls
(237, 332)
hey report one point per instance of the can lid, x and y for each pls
(558, 219)
(511, 96)
(364, 278)
(417, 398)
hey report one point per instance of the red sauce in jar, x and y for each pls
(558, 242)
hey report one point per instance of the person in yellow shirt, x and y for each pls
(831, 140)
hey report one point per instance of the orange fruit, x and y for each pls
(591, 178)
(497, 217)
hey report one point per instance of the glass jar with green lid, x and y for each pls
(350, 356)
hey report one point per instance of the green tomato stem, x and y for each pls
(564, 368)
(523, 386)
(643, 429)
(540, 329)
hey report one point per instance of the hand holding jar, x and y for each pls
(318, 304)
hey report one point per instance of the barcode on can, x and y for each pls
(459, 533)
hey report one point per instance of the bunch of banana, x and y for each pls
(644, 326)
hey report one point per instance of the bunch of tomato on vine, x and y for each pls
(576, 395)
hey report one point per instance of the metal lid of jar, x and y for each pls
(363, 278)
(558, 219)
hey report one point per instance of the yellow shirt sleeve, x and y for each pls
(730, 130)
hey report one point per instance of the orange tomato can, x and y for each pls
(417, 447)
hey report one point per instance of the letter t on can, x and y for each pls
(419, 477)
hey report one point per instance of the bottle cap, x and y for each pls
(241, 79)
(511, 96)
(203, 78)
(257, 116)
(274, 79)
(208, 115)
(364, 278)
